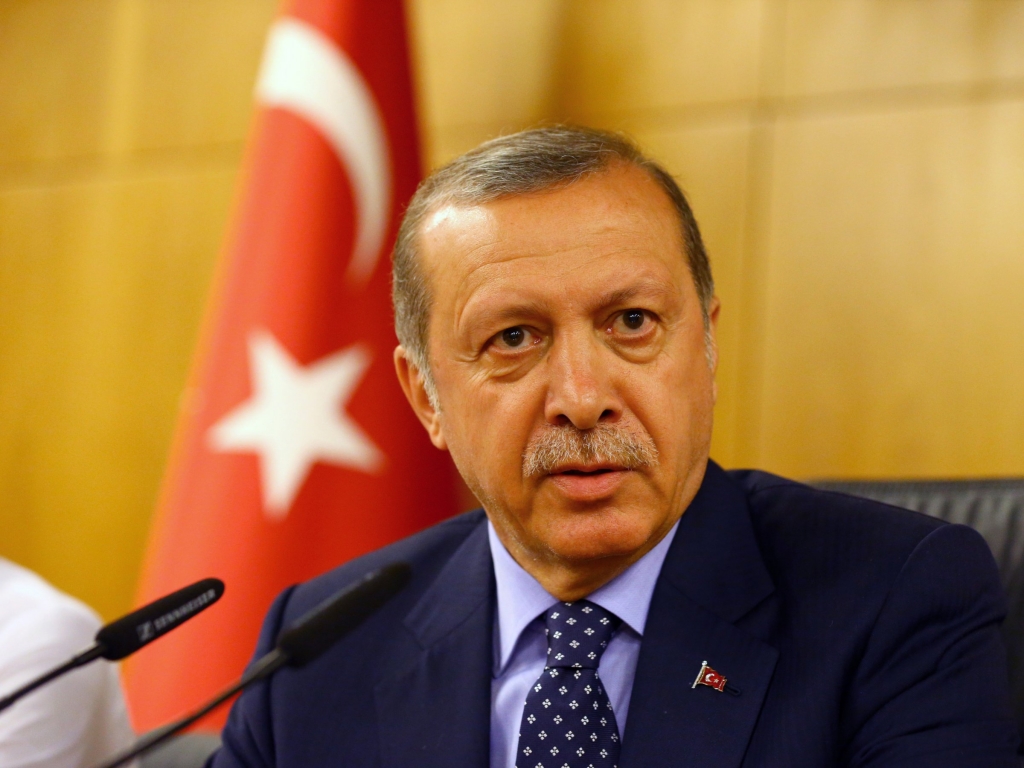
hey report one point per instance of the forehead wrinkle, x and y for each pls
(464, 298)
(471, 287)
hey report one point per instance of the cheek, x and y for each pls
(675, 403)
(487, 427)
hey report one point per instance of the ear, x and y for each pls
(713, 311)
(413, 385)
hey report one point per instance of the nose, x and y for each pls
(580, 386)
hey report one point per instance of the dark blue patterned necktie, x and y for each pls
(568, 720)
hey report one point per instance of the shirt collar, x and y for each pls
(521, 598)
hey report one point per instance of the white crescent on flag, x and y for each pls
(304, 72)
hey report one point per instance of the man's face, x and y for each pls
(562, 314)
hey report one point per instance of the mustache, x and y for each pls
(556, 446)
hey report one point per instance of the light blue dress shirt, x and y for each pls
(520, 648)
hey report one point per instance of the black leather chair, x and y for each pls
(994, 508)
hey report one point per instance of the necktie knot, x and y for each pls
(578, 633)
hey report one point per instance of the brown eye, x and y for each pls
(633, 319)
(513, 337)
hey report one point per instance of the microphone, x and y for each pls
(299, 644)
(130, 633)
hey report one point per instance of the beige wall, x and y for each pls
(857, 167)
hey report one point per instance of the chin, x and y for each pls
(595, 534)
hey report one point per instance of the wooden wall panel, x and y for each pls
(861, 45)
(54, 62)
(482, 69)
(625, 59)
(894, 339)
(104, 283)
(197, 62)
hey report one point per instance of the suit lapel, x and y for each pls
(713, 576)
(435, 710)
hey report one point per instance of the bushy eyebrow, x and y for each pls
(641, 289)
(515, 311)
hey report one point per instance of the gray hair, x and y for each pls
(529, 161)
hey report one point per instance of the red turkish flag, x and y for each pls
(708, 676)
(296, 450)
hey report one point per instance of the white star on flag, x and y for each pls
(295, 418)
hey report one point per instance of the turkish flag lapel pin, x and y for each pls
(709, 677)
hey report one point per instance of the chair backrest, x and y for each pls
(994, 508)
(190, 750)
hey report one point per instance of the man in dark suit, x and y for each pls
(621, 600)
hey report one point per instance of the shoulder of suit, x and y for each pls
(426, 551)
(809, 529)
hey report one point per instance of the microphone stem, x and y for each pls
(81, 659)
(267, 665)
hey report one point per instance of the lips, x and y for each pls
(588, 482)
(586, 469)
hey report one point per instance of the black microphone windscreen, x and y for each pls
(316, 631)
(140, 627)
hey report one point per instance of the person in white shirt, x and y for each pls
(75, 721)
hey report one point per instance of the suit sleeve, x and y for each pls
(248, 738)
(931, 687)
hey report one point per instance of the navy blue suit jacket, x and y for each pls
(857, 634)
